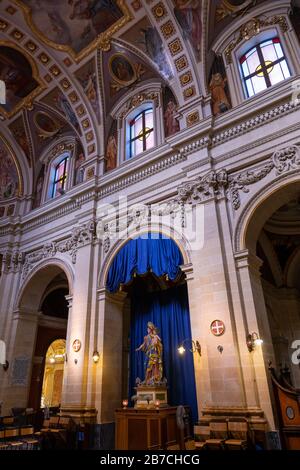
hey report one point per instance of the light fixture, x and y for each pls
(253, 340)
(96, 356)
(52, 360)
(5, 366)
(157, 403)
(125, 403)
(195, 346)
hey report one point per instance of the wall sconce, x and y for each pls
(253, 340)
(96, 356)
(5, 366)
(196, 347)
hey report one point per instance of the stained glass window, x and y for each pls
(141, 133)
(263, 66)
(60, 177)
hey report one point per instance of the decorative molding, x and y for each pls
(141, 174)
(242, 180)
(252, 28)
(282, 161)
(219, 183)
(12, 261)
(137, 100)
(253, 123)
(203, 188)
(195, 145)
(80, 236)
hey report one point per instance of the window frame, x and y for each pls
(141, 111)
(51, 174)
(262, 62)
(63, 178)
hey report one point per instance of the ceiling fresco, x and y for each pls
(68, 63)
(77, 26)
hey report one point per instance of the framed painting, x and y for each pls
(122, 70)
(76, 26)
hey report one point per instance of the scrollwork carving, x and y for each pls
(81, 236)
(282, 161)
(210, 185)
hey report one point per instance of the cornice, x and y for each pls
(143, 173)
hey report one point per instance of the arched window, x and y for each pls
(141, 133)
(263, 66)
(60, 177)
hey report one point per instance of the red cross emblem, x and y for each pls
(76, 345)
(217, 327)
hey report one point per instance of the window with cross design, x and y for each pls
(141, 133)
(263, 66)
(60, 177)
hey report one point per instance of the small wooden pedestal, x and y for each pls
(139, 429)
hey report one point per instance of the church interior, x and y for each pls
(150, 225)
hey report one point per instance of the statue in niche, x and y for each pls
(171, 123)
(153, 348)
(111, 153)
(79, 171)
(220, 102)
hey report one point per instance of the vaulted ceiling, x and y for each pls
(66, 63)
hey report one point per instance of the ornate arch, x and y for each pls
(178, 239)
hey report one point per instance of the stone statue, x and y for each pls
(220, 101)
(152, 347)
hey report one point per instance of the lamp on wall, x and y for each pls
(195, 346)
(253, 340)
(96, 356)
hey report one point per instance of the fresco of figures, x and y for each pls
(9, 181)
(58, 100)
(73, 23)
(144, 36)
(188, 14)
(171, 123)
(18, 130)
(111, 154)
(88, 80)
(16, 72)
(39, 188)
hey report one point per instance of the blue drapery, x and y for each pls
(168, 310)
(141, 255)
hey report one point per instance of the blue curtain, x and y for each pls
(169, 311)
(144, 254)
